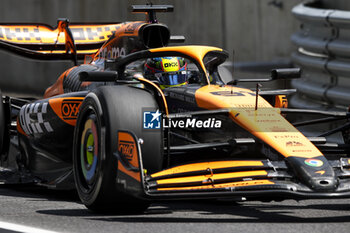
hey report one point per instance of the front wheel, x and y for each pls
(102, 114)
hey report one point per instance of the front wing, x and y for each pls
(254, 179)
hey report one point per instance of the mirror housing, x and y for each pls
(288, 73)
(276, 74)
(98, 76)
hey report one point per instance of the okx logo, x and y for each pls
(152, 120)
(70, 108)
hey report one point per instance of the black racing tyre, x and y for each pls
(103, 112)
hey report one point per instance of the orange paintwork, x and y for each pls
(204, 178)
(266, 123)
(214, 97)
(42, 34)
(125, 29)
(57, 87)
(90, 51)
(66, 108)
(159, 91)
(206, 165)
(135, 175)
(19, 128)
(320, 172)
(127, 147)
(195, 51)
(224, 185)
(281, 101)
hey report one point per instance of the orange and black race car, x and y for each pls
(142, 121)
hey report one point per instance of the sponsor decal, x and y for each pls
(128, 161)
(233, 93)
(70, 109)
(301, 151)
(294, 143)
(278, 129)
(94, 33)
(126, 149)
(182, 97)
(320, 172)
(31, 118)
(111, 53)
(38, 33)
(66, 109)
(20, 33)
(269, 121)
(313, 162)
(286, 136)
(170, 65)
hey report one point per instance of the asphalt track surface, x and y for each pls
(61, 212)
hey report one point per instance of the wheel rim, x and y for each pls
(89, 152)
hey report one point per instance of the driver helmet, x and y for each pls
(168, 71)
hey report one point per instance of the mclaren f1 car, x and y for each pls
(141, 120)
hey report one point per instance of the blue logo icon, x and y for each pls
(151, 120)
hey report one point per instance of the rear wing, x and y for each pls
(65, 41)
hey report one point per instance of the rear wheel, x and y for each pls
(102, 114)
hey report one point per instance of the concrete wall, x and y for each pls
(256, 29)
(336, 4)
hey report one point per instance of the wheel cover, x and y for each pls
(89, 151)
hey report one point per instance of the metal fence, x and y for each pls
(323, 51)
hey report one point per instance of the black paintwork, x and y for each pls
(46, 147)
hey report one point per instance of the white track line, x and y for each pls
(22, 228)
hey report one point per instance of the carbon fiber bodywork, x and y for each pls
(242, 146)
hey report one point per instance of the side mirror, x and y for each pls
(276, 74)
(98, 76)
(288, 73)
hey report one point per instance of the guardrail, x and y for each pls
(323, 52)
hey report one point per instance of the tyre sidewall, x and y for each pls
(113, 114)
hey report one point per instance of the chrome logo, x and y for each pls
(313, 162)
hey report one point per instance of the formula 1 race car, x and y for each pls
(142, 121)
